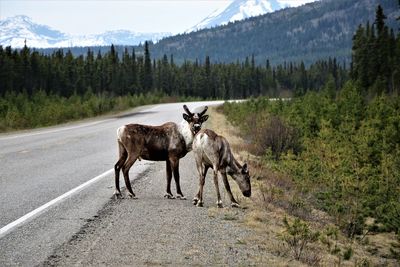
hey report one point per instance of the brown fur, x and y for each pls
(210, 133)
(157, 143)
(213, 151)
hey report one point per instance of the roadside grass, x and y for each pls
(21, 111)
(284, 222)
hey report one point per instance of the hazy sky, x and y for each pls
(91, 17)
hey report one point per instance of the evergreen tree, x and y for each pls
(134, 73)
(165, 75)
(208, 86)
(375, 60)
(147, 69)
(380, 21)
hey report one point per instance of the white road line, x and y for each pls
(9, 227)
(52, 131)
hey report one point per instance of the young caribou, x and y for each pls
(168, 142)
(213, 151)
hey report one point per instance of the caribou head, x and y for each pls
(195, 120)
(242, 178)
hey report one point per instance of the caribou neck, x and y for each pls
(233, 167)
(186, 132)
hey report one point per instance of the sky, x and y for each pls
(79, 17)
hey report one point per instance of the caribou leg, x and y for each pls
(200, 194)
(169, 178)
(202, 170)
(117, 168)
(175, 169)
(219, 201)
(198, 199)
(125, 170)
(234, 203)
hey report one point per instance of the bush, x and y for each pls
(275, 135)
(344, 151)
(297, 236)
(264, 129)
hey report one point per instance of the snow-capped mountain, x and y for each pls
(15, 30)
(239, 10)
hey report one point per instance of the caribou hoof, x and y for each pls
(235, 205)
(219, 204)
(132, 196)
(169, 196)
(199, 204)
(195, 200)
(181, 197)
(117, 194)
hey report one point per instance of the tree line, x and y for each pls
(64, 74)
(376, 57)
(39, 90)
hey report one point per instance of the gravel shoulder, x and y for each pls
(152, 230)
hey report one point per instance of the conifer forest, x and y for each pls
(340, 143)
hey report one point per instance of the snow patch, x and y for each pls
(15, 30)
(237, 10)
(243, 9)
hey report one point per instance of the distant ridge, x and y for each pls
(307, 33)
(15, 30)
(317, 30)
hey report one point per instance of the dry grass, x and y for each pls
(274, 197)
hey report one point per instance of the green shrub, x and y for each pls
(344, 151)
(19, 111)
(297, 236)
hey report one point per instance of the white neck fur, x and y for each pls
(184, 129)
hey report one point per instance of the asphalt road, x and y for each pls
(39, 166)
(57, 205)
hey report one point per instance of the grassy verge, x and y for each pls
(20, 111)
(284, 218)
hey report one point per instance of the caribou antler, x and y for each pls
(204, 111)
(188, 111)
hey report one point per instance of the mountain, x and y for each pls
(307, 33)
(15, 30)
(317, 30)
(237, 10)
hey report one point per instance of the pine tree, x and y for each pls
(380, 21)
(134, 73)
(359, 57)
(165, 75)
(147, 71)
(208, 86)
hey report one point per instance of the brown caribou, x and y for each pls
(213, 151)
(168, 142)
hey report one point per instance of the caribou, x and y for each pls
(168, 142)
(213, 151)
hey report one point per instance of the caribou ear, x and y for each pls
(204, 118)
(186, 117)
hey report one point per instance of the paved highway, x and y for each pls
(54, 180)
